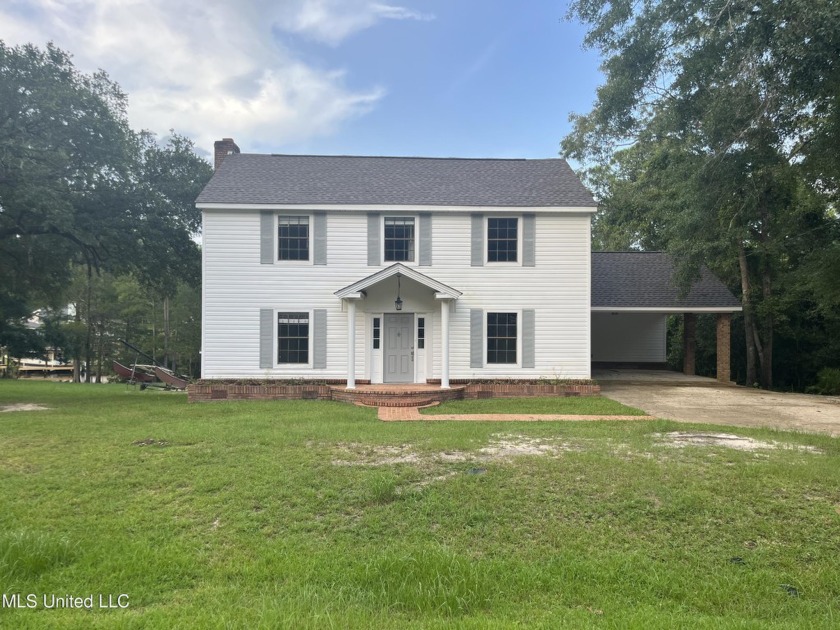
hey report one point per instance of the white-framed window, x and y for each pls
(502, 337)
(504, 239)
(294, 338)
(376, 335)
(294, 238)
(399, 239)
(421, 332)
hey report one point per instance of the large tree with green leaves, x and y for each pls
(80, 189)
(64, 149)
(712, 138)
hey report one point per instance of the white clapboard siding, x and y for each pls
(629, 337)
(237, 286)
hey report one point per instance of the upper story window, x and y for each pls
(399, 239)
(294, 238)
(502, 239)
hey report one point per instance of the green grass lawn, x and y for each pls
(312, 515)
(584, 405)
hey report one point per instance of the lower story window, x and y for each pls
(377, 331)
(501, 337)
(421, 333)
(293, 337)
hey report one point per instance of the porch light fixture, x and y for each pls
(398, 302)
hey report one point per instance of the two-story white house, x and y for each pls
(415, 270)
(394, 270)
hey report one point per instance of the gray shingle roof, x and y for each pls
(311, 179)
(643, 280)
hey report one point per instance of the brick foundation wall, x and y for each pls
(521, 390)
(206, 391)
(224, 391)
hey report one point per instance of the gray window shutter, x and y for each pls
(319, 227)
(266, 338)
(267, 237)
(477, 241)
(373, 239)
(528, 341)
(476, 338)
(319, 339)
(425, 238)
(529, 239)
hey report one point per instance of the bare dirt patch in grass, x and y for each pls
(150, 442)
(23, 407)
(681, 439)
(501, 447)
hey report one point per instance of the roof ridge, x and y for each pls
(404, 157)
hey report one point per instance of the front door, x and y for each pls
(399, 348)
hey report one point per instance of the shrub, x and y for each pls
(828, 382)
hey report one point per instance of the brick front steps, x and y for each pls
(397, 395)
(411, 395)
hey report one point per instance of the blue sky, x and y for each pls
(421, 77)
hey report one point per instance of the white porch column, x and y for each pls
(351, 344)
(444, 342)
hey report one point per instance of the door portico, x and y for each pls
(394, 352)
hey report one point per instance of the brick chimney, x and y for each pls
(222, 148)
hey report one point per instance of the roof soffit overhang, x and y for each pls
(666, 309)
(397, 208)
(445, 291)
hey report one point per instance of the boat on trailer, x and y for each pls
(170, 378)
(137, 373)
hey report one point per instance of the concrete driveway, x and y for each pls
(703, 400)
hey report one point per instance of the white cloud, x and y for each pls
(211, 69)
(332, 21)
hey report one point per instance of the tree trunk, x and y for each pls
(749, 324)
(154, 328)
(767, 358)
(100, 352)
(166, 359)
(77, 355)
(88, 336)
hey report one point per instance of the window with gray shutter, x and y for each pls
(529, 239)
(502, 239)
(477, 241)
(528, 338)
(501, 337)
(319, 220)
(292, 337)
(476, 338)
(425, 239)
(319, 338)
(373, 238)
(267, 336)
(266, 237)
(293, 238)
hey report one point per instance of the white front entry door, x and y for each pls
(399, 347)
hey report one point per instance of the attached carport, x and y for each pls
(632, 296)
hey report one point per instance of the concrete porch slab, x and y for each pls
(614, 376)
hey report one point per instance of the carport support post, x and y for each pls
(724, 328)
(689, 342)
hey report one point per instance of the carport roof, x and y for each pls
(642, 281)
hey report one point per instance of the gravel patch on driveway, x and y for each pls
(732, 406)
